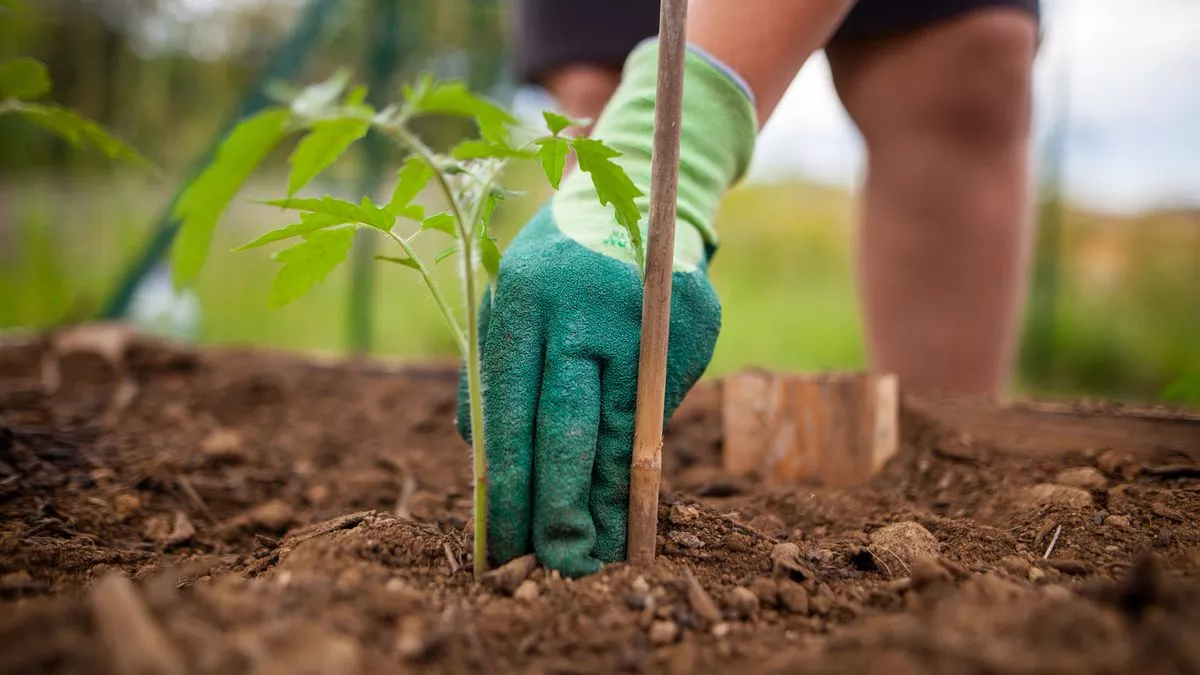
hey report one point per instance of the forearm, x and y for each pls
(764, 41)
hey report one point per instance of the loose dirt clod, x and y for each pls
(766, 590)
(926, 571)
(528, 591)
(793, 597)
(1083, 477)
(508, 576)
(1119, 522)
(663, 632)
(743, 602)
(786, 562)
(1049, 494)
(896, 547)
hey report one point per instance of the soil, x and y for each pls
(279, 514)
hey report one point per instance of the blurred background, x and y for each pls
(1114, 309)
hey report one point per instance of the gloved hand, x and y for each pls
(560, 339)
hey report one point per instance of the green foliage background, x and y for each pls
(1125, 321)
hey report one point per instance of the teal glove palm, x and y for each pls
(560, 336)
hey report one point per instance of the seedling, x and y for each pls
(332, 117)
(24, 82)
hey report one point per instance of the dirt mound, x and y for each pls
(279, 515)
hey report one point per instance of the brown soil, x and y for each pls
(279, 515)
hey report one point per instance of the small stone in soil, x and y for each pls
(1049, 494)
(1165, 535)
(743, 602)
(1119, 522)
(1015, 565)
(682, 514)
(1036, 575)
(527, 591)
(686, 539)
(766, 591)
(663, 632)
(1083, 477)
(897, 546)
(785, 562)
(793, 597)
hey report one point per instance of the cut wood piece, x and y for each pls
(833, 429)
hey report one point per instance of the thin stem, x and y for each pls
(474, 380)
(447, 313)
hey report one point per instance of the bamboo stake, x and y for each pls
(646, 468)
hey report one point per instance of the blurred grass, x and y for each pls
(1126, 326)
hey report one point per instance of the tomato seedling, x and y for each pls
(332, 117)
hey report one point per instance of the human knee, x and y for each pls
(988, 102)
(965, 85)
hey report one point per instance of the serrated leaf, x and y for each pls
(453, 98)
(308, 263)
(365, 213)
(552, 151)
(489, 255)
(613, 186)
(442, 222)
(480, 149)
(309, 222)
(413, 178)
(206, 197)
(407, 262)
(316, 99)
(556, 122)
(79, 131)
(23, 79)
(328, 141)
(445, 253)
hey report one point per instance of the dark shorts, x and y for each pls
(554, 33)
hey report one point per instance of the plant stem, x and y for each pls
(448, 314)
(474, 380)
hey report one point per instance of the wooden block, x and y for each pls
(832, 429)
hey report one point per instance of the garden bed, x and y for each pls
(280, 514)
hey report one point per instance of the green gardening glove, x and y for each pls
(560, 337)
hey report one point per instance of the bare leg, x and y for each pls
(946, 210)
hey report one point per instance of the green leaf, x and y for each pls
(613, 186)
(555, 122)
(442, 222)
(489, 255)
(319, 98)
(79, 131)
(205, 199)
(365, 213)
(553, 150)
(328, 140)
(445, 253)
(308, 263)
(309, 222)
(23, 79)
(479, 149)
(413, 178)
(407, 262)
(453, 98)
(489, 207)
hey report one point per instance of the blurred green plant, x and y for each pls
(332, 118)
(1184, 389)
(23, 81)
